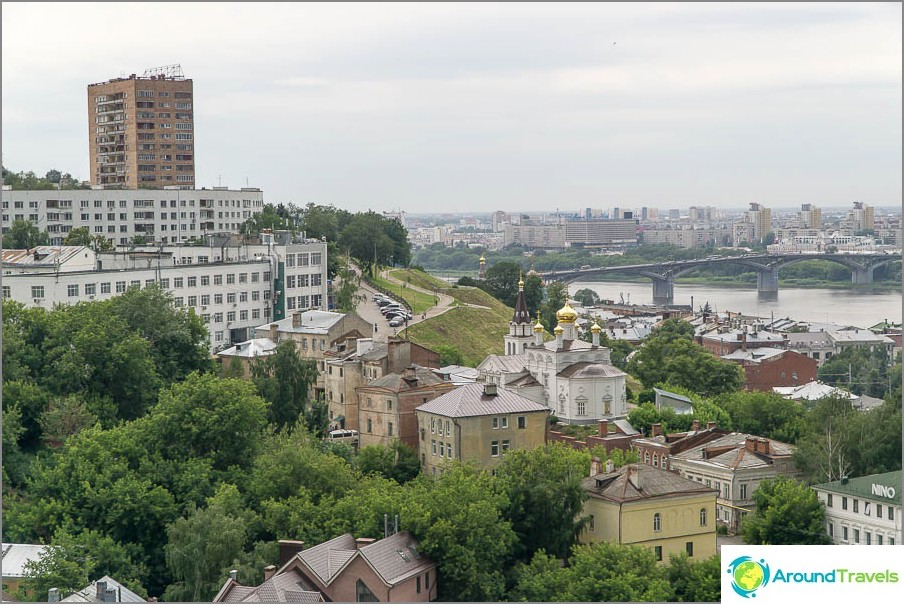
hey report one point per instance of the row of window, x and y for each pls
(867, 507)
(867, 536)
(303, 259)
(495, 447)
(230, 316)
(73, 291)
(306, 280)
(147, 203)
(657, 520)
(688, 547)
(439, 444)
(436, 427)
(304, 302)
(503, 422)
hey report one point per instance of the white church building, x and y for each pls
(575, 379)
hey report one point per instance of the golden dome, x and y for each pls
(482, 259)
(558, 330)
(538, 328)
(520, 282)
(596, 328)
(567, 314)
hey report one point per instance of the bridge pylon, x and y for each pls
(663, 291)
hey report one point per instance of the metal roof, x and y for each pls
(312, 321)
(862, 486)
(470, 401)
(250, 349)
(15, 555)
(89, 593)
(641, 481)
(591, 370)
(395, 558)
(511, 363)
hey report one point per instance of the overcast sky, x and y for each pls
(478, 107)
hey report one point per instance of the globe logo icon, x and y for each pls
(748, 575)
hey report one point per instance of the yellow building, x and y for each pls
(477, 422)
(641, 505)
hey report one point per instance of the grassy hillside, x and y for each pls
(419, 279)
(418, 301)
(475, 332)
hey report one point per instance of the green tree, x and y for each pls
(347, 296)
(545, 497)
(459, 521)
(284, 380)
(177, 338)
(764, 414)
(787, 513)
(555, 299)
(397, 461)
(587, 297)
(208, 417)
(695, 581)
(99, 243)
(601, 572)
(78, 236)
(199, 550)
(501, 282)
(449, 355)
(860, 370)
(533, 293)
(65, 417)
(23, 235)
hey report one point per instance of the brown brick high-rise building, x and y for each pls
(141, 131)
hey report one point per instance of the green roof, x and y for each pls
(878, 487)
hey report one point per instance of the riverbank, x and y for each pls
(735, 284)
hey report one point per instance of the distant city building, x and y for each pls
(864, 510)
(861, 217)
(810, 217)
(754, 226)
(141, 130)
(534, 235)
(156, 215)
(597, 233)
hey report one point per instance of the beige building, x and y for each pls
(641, 505)
(735, 465)
(141, 131)
(356, 362)
(480, 423)
(386, 405)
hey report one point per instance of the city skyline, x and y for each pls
(469, 108)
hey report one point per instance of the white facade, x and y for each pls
(160, 215)
(233, 288)
(863, 511)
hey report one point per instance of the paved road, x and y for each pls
(370, 311)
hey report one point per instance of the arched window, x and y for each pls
(702, 516)
(655, 461)
(657, 522)
(646, 457)
(561, 403)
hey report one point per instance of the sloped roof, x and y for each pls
(673, 395)
(523, 381)
(625, 427)
(755, 355)
(734, 453)
(567, 345)
(522, 315)
(809, 339)
(395, 558)
(312, 321)
(510, 363)
(858, 336)
(634, 482)
(319, 558)
(397, 382)
(469, 400)
(15, 555)
(89, 593)
(379, 351)
(862, 486)
(590, 370)
(47, 255)
(813, 391)
(290, 586)
(256, 347)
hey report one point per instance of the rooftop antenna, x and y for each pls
(169, 72)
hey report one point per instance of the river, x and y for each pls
(860, 307)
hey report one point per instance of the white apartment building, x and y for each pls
(159, 215)
(863, 511)
(234, 288)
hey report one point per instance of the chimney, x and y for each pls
(296, 319)
(288, 549)
(53, 594)
(634, 476)
(595, 466)
(743, 340)
(269, 571)
(409, 374)
(710, 425)
(489, 390)
(656, 430)
(274, 330)
(101, 590)
(695, 425)
(610, 467)
(361, 542)
(750, 443)
(603, 428)
(764, 446)
(109, 595)
(234, 574)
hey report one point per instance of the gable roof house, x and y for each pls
(346, 569)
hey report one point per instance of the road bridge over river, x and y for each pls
(663, 274)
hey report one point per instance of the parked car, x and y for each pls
(392, 307)
(383, 301)
(397, 322)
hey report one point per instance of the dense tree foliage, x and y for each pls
(787, 513)
(285, 379)
(860, 370)
(397, 461)
(53, 179)
(764, 414)
(23, 235)
(669, 355)
(347, 296)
